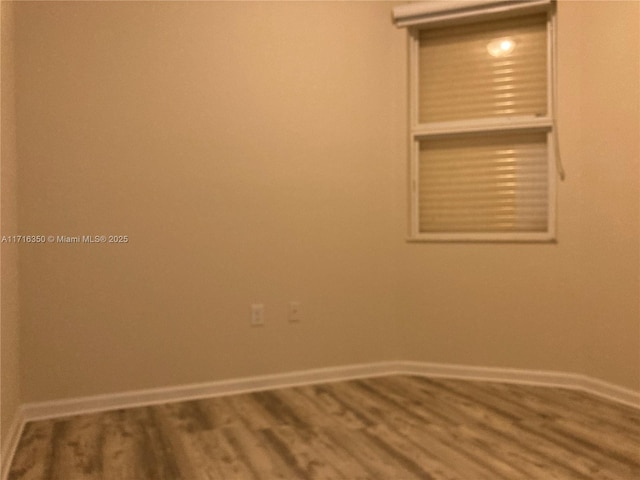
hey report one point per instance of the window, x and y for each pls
(482, 120)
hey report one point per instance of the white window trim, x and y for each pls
(415, 16)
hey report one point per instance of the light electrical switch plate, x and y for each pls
(257, 314)
(295, 312)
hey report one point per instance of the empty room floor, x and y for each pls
(388, 428)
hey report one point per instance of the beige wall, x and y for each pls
(256, 152)
(610, 149)
(571, 306)
(10, 380)
(247, 149)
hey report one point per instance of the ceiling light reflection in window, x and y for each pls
(501, 47)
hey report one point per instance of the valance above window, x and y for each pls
(441, 11)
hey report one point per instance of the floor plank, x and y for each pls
(387, 428)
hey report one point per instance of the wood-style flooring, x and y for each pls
(388, 428)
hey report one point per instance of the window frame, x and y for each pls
(481, 11)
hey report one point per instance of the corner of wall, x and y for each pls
(9, 341)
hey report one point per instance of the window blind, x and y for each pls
(483, 70)
(483, 183)
(482, 119)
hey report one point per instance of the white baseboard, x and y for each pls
(154, 396)
(97, 403)
(543, 378)
(75, 406)
(9, 448)
(610, 391)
